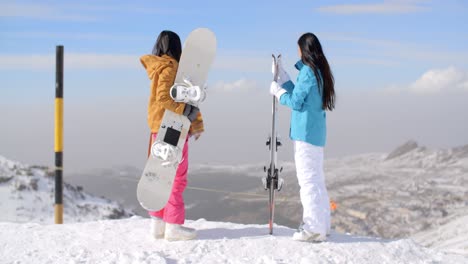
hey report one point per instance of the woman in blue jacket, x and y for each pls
(312, 95)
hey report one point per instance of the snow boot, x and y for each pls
(301, 227)
(157, 227)
(176, 232)
(306, 236)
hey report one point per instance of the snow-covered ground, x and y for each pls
(128, 241)
(391, 195)
(27, 195)
(451, 237)
(412, 192)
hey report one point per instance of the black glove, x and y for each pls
(193, 113)
(187, 110)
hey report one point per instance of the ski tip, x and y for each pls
(276, 56)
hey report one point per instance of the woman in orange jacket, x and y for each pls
(161, 67)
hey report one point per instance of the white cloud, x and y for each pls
(80, 12)
(103, 61)
(249, 62)
(240, 64)
(71, 60)
(388, 52)
(347, 37)
(464, 86)
(239, 85)
(347, 60)
(81, 36)
(41, 11)
(439, 80)
(435, 81)
(127, 8)
(385, 7)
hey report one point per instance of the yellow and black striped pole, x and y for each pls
(59, 135)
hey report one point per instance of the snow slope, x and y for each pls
(27, 195)
(451, 237)
(127, 241)
(391, 195)
(412, 190)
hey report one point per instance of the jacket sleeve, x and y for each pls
(149, 70)
(288, 86)
(197, 125)
(165, 82)
(295, 99)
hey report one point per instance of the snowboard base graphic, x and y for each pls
(155, 185)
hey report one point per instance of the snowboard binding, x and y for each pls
(188, 93)
(165, 152)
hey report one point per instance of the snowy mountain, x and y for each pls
(128, 241)
(410, 190)
(451, 237)
(27, 195)
(393, 195)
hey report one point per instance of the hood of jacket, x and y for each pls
(155, 64)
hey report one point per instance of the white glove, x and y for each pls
(283, 76)
(276, 90)
(196, 135)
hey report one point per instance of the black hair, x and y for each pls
(168, 43)
(313, 56)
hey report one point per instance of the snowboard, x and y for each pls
(155, 185)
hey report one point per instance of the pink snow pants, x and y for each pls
(174, 211)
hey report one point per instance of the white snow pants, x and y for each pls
(313, 192)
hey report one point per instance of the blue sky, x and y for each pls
(393, 48)
(370, 44)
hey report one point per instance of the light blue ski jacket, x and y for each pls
(308, 119)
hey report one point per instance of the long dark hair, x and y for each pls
(168, 43)
(313, 56)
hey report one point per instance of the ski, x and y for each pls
(272, 182)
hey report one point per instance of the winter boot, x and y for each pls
(157, 228)
(306, 236)
(176, 232)
(301, 227)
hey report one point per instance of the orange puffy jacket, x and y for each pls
(162, 72)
